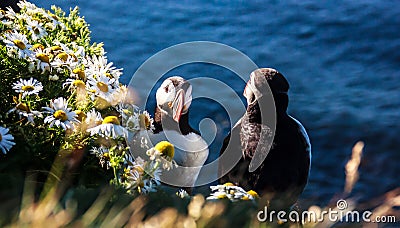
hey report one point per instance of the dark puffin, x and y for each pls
(171, 122)
(283, 174)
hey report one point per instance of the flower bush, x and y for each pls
(62, 102)
(64, 109)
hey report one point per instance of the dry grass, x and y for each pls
(114, 209)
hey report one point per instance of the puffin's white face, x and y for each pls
(249, 90)
(174, 100)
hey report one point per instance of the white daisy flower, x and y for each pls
(37, 30)
(251, 195)
(10, 13)
(149, 186)
(18, 42)
(126, 109)
(78, 73)
(74, 84)
(102, 87)
(28, 87)
(62, 59)
(232, 192)
(146, 122)
(141, 176)
(24, 111)
(7, 23)
(119, 94)
(26, 5)
(163, 153)
(182, 194)
(109, 128)
(153, 154)
(102, 153)
(53, 77)
(76, 52)
(139, 162)
(6, 140)
(62, 116)
(132, 123)
(54, 22)
(93, 119)
(217, 195)
(133, 178)
(99, 66)
(42, 59)
(137, 121)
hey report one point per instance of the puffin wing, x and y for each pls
(191, 152)
(305, 141)
(230, 155)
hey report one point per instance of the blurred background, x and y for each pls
(341, 59)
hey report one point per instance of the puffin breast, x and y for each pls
(190, 150)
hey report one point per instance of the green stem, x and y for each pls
(71, 97)
(115, 175)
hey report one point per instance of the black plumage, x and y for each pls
(283, 174)
(182, 126)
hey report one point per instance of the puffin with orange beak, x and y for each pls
(171, 122)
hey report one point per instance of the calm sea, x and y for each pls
(341, 58)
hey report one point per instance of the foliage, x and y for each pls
(63, 107)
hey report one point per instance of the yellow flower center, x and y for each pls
(36, 30)
(139, 169)
(141, 184)
(79, 83)
(37, 46)
(61, 115)
(74, 57)
(23, 107)
(253, 193)
(222, 196)
(81, 115)
(111, 119)
(19, 44)
(127, 112)
(103, 87)
(63, 56)
(55, 48)
(79, 72)
(106, 155)
(28, 88)
(228, 184)
(166, 148)
(43, 57)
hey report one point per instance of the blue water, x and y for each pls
(341, 59)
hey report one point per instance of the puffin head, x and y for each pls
(256, 87)
(174, 97)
